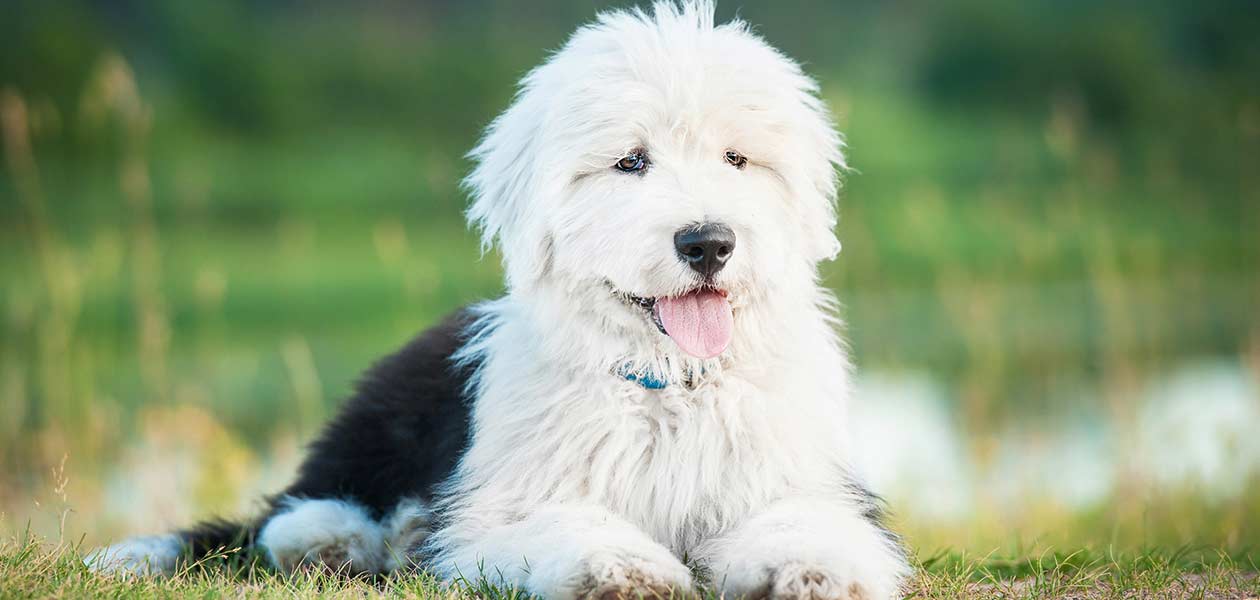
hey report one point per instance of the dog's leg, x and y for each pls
(561, 552)
(807, 548)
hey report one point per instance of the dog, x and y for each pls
(656, 404)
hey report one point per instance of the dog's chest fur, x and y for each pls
(680, 463)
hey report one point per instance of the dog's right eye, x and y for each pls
(632, 163)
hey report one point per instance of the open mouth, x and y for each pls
(649, 306)
(700, 321)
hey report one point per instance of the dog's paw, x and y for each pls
(796, 581)
(636, 590)
(806, 579)
(324, 535)
(631, 577)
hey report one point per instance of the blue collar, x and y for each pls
(647, 379)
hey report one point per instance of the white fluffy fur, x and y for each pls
(570, 463)
(145, 555)
(578, 481)
(341, 536)
(332, 533)
(815, 547)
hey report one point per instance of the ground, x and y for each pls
(30, 568)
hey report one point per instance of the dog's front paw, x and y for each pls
(795, 581)
(632, 576)
(806, 579)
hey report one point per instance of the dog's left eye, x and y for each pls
(736, 159)
(631, 163)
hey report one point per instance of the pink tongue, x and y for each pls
(699, 322)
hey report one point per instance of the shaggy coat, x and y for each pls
(662, 380)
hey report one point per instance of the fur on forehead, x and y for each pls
(630, 79)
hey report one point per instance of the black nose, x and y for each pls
(706, 247)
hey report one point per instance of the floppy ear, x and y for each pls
(507, 185)
(818, 173)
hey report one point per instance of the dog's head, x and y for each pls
(663, 172)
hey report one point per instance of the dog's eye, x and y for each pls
(736, 159)
(632, 163)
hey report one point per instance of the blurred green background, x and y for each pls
(214, 214)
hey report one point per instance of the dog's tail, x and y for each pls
(209, 542)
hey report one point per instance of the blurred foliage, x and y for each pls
(234, 206)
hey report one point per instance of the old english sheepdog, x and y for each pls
(656, 405)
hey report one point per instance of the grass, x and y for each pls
(33, 568)
(1083, 574)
